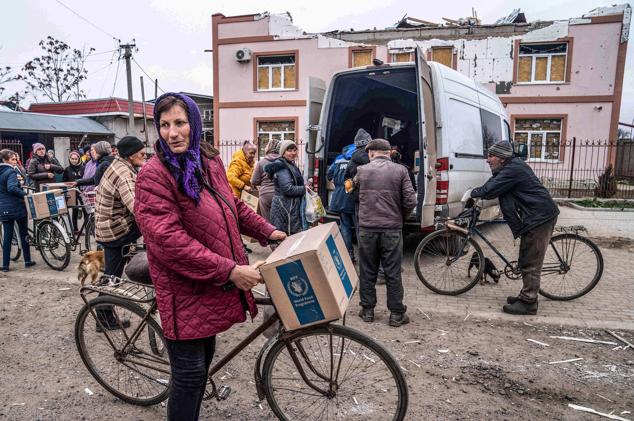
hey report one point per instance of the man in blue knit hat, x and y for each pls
(531, 214)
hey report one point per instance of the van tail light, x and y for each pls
(315, 183)
(442, 183)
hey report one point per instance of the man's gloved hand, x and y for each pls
(348, 185)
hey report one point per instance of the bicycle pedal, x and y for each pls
(223, 393)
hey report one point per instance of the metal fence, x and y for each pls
(15, 145)
(228, 147)
(587, 168)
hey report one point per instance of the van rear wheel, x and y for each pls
(448, 262)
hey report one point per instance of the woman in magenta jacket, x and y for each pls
(191, 224)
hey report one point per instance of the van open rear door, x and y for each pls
(427, 136)
(314, 144)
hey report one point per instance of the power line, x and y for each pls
(144, 72)
(87, 21)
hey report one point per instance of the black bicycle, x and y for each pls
(326, 371)
(450, 261)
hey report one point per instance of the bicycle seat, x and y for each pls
(138, 269)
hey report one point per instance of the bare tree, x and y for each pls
(5, 76)
(58, 72)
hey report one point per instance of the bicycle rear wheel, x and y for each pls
(333, 372)
(572, 267)
(138, 373)
(54, 249)
(444, 262)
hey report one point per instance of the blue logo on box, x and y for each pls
(341, 269)
(300, 292)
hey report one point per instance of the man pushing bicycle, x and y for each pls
(531, 214)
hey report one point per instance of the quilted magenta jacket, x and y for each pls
(192, 249)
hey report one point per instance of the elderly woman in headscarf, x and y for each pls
(40, 169)
(259, 180)
(191, 223)
(101, 152)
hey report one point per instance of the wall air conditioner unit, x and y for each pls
(243, 55)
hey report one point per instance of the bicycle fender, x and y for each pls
(62, 230)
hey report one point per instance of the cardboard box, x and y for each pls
(250, 199)
(71, 195)
(44, 204)
(416, 162)
(310, 277)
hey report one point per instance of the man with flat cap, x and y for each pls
(531, 214)
(386, 196)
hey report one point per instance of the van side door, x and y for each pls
(427, 136)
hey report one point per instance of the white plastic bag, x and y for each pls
(313, 208)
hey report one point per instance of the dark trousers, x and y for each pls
(533, 246)
(190, 361)
(23, 232)
(113, 252)
(347, 226)
(386, 249)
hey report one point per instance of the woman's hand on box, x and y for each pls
(277, 235)
(245, 277)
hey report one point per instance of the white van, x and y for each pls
(427, 109)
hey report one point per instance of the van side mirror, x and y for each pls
(521, 151)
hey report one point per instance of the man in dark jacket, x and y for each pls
(531, 214)
(386, 195)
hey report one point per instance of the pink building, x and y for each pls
(558, 80)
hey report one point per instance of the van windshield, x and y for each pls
(383, 101)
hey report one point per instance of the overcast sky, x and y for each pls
(171, 36)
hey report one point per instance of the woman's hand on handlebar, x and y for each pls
(245, 277)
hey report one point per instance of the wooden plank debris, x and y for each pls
(593, 411)
(537, 342)
(566, 361)
(590, 341)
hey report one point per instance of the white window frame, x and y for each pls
(207, 113)
(281, 67)
(548, 64)
(394, 53)
(271, 134)
(529, 144)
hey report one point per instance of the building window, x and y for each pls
(207, 115)
(401, 57)
(361, 58)
(276, 72)
(442, 55)
(542, 136)
(542, 63)
(268, 130)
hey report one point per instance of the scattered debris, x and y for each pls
(88, 391)
(443, 351)
(592, 411)
(17, 404)
(468, 315)
(63, 289)
(528, 324)
(590, 341)
(603, 397)
(412, 342)
(424, 314)
(537, 342)
(621, 339)
(355, 400)
(416, 364)
(566, 361)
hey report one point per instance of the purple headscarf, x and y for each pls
(185, 166)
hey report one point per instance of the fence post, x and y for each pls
(572, 166)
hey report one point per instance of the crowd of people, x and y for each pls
(189, 211)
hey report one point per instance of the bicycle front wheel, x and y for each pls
(333, 372)
(572, 267)
(54, 249)
(448, 262)
(137, 370)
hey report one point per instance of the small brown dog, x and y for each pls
(90, 266)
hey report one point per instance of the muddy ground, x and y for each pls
(455, 368)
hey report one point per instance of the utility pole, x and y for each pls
(128, 69)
